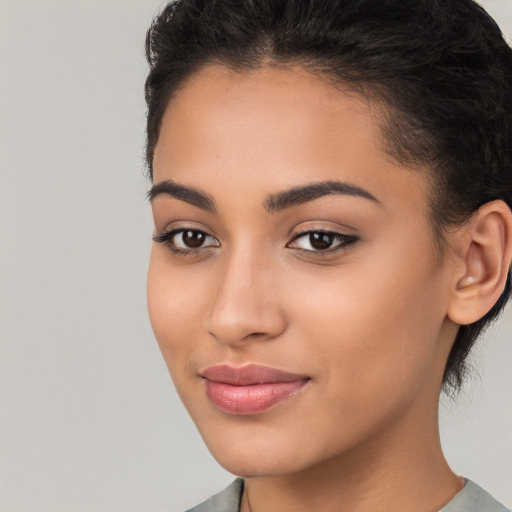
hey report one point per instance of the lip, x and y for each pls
(250, 389)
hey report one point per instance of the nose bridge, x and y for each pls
(244, 302)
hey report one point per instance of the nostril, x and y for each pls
(223, 337)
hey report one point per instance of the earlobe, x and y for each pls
(485, 256)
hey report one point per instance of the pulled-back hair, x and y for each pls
(441, 68)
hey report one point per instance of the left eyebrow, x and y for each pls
(305, 194)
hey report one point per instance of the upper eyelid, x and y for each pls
(331, 231)
(324, 225)
(166, 234)
(169, 233)
(177, 226)
(305, 231)
(345, 242)
(327, 232)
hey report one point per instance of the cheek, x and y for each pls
(370, 353)
(174, 305)
(375, 325)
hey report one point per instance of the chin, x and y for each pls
(250, 465)
(251, 452)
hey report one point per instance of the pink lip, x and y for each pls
(250, 389)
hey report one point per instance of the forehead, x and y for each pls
(264, 130)
(287, 105)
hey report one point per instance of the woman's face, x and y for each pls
(293, 288)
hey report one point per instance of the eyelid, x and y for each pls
(345, 240)
(167, 236)
(169, 233)
(341, 241)
(320, 227)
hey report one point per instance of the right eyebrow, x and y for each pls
(183, 193)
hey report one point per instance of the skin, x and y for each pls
(370, 324)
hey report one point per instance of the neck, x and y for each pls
(393, 471)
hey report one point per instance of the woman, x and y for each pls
(331, 196)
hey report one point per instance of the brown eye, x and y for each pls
(190, 239)
(186, 241)
(193, 239)
(321, 241)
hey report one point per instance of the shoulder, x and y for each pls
(227, 500)
(473, 498)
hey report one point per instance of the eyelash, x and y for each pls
(167, 237)
(344, 241)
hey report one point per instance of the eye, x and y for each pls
(191, 239)
(186, 241)
(322, 241)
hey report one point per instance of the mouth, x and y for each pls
(250, 389)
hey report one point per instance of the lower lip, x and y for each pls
(250, 399)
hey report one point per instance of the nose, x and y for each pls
(245, 302)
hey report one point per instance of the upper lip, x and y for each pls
(248, 375)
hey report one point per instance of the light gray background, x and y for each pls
(88, 417)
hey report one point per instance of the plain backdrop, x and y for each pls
(89, 420)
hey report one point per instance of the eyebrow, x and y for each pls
(274, 202)
(183, 193)
(304, 194)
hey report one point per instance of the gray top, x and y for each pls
(472, 498)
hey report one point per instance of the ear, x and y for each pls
(485, 253)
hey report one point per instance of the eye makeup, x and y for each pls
(321, 241)
(186, 241)
(193, 241)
